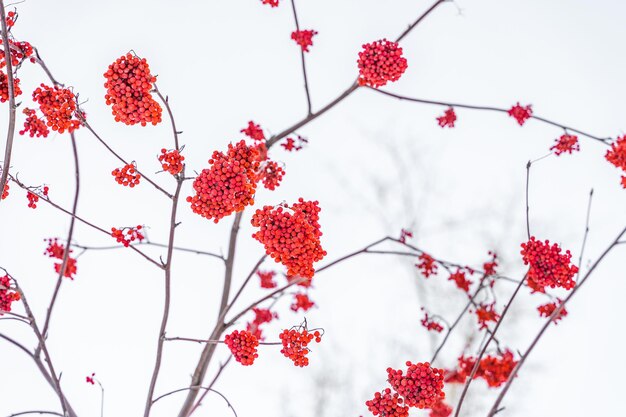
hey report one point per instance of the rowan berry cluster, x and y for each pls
(304, 38)
(421, 386)
(427, 265)
(617, 155)
(291, 236)
(548, 267)
(128, 84)
(271, 174)
(387, 405)
(254, 131)
(59, 107)
(267, 279)
(566, 144)
(33, 198)
(91, 379)
(521, 113)
(4, 87)
(229, 184)
(7, 295)
(430, 323)
(495, 370)
(56, 250)
(273, 3)
(486, 313)
(127, 235)
(171, 161)
(5, 192)
(380, 62)
(243, 346)
(20, 50)
(291, 146)
(10, 19)
(295, 344)
(127, 175)
(546, 310)
(489, 267)
(404, 234)
(261, 316)
(461, 280)
(302, 302)
(441, 409)
(34, 125)
(448, 118)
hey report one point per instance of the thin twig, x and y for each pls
(582, 249)
(23, 413)
(528, 165)
(166, 103)
(148, 243)
(215, 378)
(8, 149)
(306, 81)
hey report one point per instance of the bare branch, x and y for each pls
(8, 148)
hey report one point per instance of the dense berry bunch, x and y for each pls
(427, 265)
(267, 279)
(302, 302)
(128, 85)
(295, 344)
(489, 267)
(243, 346)
(5, 192)
(4, 87)
(486, 313)
(304, 38)
(421, 386)
(430, 323)
(271, 174)
(404, 234)
(441, 409)
(127, 175)
(617, 155)
(171, 161)
(495, 370)
(229, 185)
(387, 405)
(291, 146)
(59, 107)
(546, 310)
(461, 280)
(34, 125)
(273, 3)
(448, 118)
(566, 143)
(57, 251)
(291, 236)
(521, 113)
(548, 267)
(254, 131)
(7, 295)
(127, 235)
(20, 50)
(380, 62)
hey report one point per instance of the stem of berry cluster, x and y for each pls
(306, 80)
(8, 149)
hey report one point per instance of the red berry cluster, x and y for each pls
(33, 198)
(486, 313)
(421, 386)
(548, 267)
(461, 280)
(261, 316)
(404, 234)
(427, 265)
(57, 251)
(254, 131)
(273, 3)
(171, 161)
(566, 143)
(430, 324)
(7, 295)
(132, 234)
(243, 346)
(521, 113)
(127, 175)
(128, 85)
(267, 279)
(448, 118)
(295, 342)
(10, 19)
(302, 302)
(34, 125)
(489, 267)
(495, 370)
(617, 155)
(441, 409)
(20, 50)
(59, 107)
(91, 379)
(290, 143)
(291, 236)
(387, 405)
(229, 185)
(380, 62)
(304, 38)
(271, 174)
(546, 310)
(4, 87)
(5, 192)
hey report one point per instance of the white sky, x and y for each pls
(224, 63)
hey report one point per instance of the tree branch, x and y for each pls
(8, 148)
